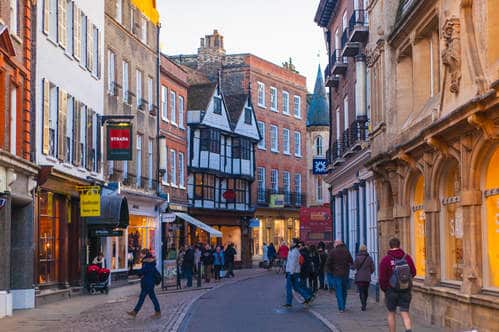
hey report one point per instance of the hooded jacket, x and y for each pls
(147, 272)
(339, 261)
(388, 262)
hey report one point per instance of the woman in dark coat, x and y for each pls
(364, 265)
(314, 268)
(147, 276)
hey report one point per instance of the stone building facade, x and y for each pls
(131, 76)
(353, 197)
(435, 151)
(17, 170)
(278, 95)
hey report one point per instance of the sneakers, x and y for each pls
(309, 300)
(156, 315)
(287, 306)
(132, 313)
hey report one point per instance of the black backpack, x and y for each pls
(157, 277)
(401, 278)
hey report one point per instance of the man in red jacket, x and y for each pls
(395, 298)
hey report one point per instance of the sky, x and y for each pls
(271, 29)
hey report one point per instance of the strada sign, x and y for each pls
(119, 141)
(316, 224)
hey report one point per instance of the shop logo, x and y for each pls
(119, 141)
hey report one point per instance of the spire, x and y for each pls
(318, 107)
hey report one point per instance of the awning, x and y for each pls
(114, 212)
(254, 222)
(199, 224)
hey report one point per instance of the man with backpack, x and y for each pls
(396, 271)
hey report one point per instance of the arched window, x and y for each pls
(318, 146)
(492, 222)
(451, 225)
(418, 227)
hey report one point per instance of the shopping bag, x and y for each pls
(222, 273)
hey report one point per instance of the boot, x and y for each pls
(132, 313)
(156, 315)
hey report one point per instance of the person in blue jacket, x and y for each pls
(147, 276)
(218, 262)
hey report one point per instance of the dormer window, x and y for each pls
(247, 115)
(217, 105)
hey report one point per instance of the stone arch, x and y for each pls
(482, 152)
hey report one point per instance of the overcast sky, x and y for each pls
(272, 29)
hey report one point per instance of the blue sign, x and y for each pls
(319, 166)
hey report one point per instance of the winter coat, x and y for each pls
(271, 252)
(218, 258)
(322, 261)
(230, 253)
(307, 266)
(188, 262)
(293, 262)
(147, 272)
(339, 261)
(197, 257)
(364, 265)
(207, 257)
(282, 252)
(387, 263)
(265, 256)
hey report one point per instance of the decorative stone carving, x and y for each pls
(451, 55)
(373, 54)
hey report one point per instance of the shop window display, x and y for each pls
(141, 233)
(491, 230)
(118, 252)
(48, 238)
(418, 228)
(452, 227)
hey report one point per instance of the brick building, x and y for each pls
(131, 88)
(278, 95)
(353, 199)
(434, 138)
(17, 172)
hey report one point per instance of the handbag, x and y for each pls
(157, 277)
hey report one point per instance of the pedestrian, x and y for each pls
(272, 253)
(338, 264)
(99, 260)
(188, 265)
(364, 267)
(322, 265)
(283, 250)
(197, 258)
(230, 254)
(329, 275)
(148, 274)
(207, 260)
(218, 262)
(396, 271)
(265, 256)
(314, 269)
(293, 276)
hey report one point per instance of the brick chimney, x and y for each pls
(211, 54)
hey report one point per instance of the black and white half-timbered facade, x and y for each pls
(222, 138)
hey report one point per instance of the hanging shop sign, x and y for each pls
(319, 166)
(229, 195)
(89, 201)
(276, 201)
(119, 141)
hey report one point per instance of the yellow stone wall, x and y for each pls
(148, 8)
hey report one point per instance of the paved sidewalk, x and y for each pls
(355, 320)
(108, 312)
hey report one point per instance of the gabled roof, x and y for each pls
(5, 41)
(235, 105)
(318, 109)
(199, 96)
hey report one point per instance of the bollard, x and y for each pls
(199, 275)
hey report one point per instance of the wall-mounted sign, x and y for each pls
(105, 232)
(89, 201)
(168, 217)
(229, 195)
(119, 141)
(276, 201)
(319, 166)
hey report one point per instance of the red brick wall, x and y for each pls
(174, 79)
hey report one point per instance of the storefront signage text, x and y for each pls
(89, 201)
(119, 141)
(276, 201)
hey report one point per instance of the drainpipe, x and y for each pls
(158, 76)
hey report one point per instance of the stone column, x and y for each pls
(5, 238)
(360, 87)
(432, 242)
(471, 202)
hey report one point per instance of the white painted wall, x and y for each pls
(62, 70)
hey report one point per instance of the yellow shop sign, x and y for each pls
(89, 201)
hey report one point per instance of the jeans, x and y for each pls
(188, 276)
(363, 294)
(142, 297)
(312, 281)
(329, 279)
(207, 272)
(218, 268)
(293, 282)
(230, 269)
(341, 286)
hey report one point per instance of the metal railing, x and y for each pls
(291, 199)
(359, 17)
(356, 133)
(336, 58)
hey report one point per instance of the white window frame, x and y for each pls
(138, 84)
(150, 87)
(180, 112)
(111, 72)
(285, 102)
(138, 176)
(261, 94)
(297, 137)
(125, 80)
(164, 103)
(13, 120)
(84, 41)
(150, 146)
(273, 99)
(164, 179)
(143, 30)
(261, 184)
(298, 188)
(346, 120)
(119, 11)
(274, 138)
(173, 107)
(173, 168)
(319, 146)
(274, 180)
(262, 143)
(286, 184)
(69, 27)
(319, 194)
(286, 141)
(181, 166)
(96, 55)
(53, 23)
(297, 107)
(14, 17)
